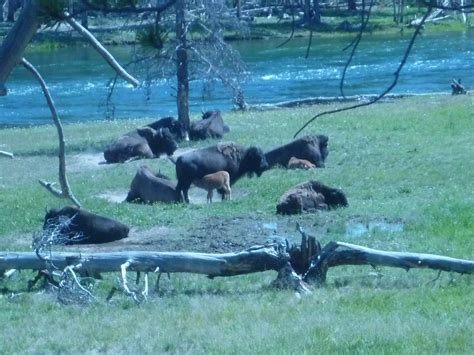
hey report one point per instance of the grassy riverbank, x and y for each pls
(113, 31)
(405, 164)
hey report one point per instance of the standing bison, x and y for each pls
(147, 187)
(144, 142)
(234, 158)
(313, 148)
(79, 226)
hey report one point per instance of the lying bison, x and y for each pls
(310, 196)
(313, 148)
(175, 127)
(79, 226)
(211, 126)
(234, 158)
(144, 142)
(147, 187)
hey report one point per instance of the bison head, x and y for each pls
(210, 114)
(253, 161)
(160, 141)
(335, 198)
(178, 130)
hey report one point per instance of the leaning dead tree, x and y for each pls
(298, 266)
(34, 14)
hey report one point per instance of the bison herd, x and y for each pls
(216, 167)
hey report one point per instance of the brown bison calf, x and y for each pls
(295, 163)
(218, 180)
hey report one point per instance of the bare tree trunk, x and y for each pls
(182, 65)
(402, 11)
(463, 13)
(316, 14)
(13, 46)
(239, 9)
(65, 191)
(307, 12)
(352, 5)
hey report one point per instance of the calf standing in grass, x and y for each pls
(295, 163)
(218, 180)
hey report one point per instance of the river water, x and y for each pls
(77, 77)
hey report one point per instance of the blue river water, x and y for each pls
(78, 77)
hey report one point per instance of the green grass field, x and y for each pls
(406, 162)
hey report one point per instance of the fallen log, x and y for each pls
(298, 266)
(6, 154)
(326, 100)
(338, 254)
(255, 259)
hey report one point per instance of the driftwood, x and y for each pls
(457, 88)
(323, 100)
(6, 154)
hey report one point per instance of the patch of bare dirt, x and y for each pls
(85, 161)
(114, 196)
(214, 235)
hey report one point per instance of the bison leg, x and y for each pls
(182, 191)
(209, 196)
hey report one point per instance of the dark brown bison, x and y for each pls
(147, 187)
(313, 148)
(234, 158)
(211, 126)
(310, 196)
(144, 142)
(175, 127)
(83, 227)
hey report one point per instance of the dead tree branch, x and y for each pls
(65, 191)
(101, 49)
(355, 43)
(6, 154)
(387, 90)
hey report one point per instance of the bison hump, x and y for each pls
(229, 150)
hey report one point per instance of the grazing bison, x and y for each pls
(147, 187)
(236, 159)
(310, 196)
(312, 148)
(176, 128)
(82, 227)
(211, 126)
(144, 142)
